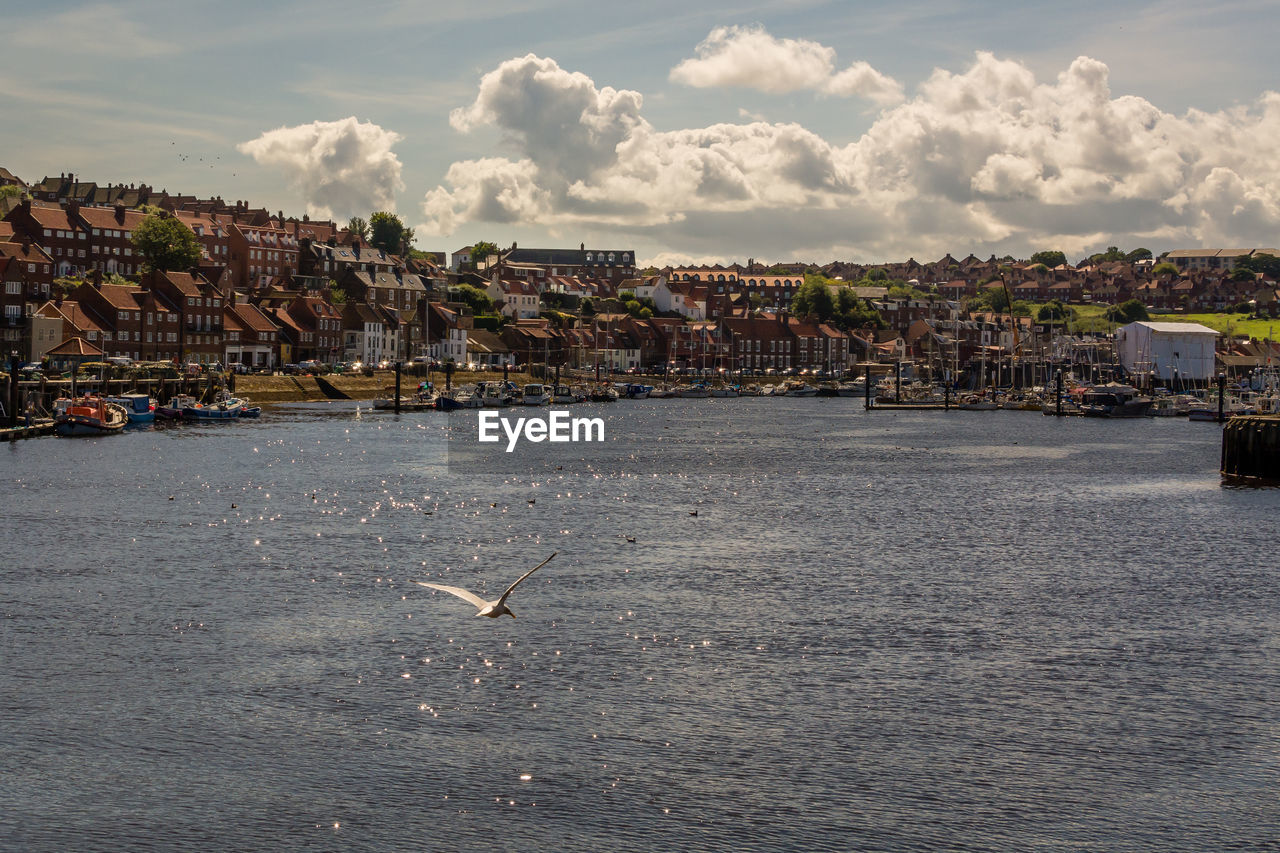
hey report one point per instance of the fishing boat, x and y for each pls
(856, 388)
(172, 411)
(565, 395)
(140, 408)
(422, 400)
(535, 394)
(466, 397)
(661, 392)
(602, 394)
(800, 389)
(978, 403)
(697, 391)
(497, 394)
(632, 390)
(89, 416)
(725, 391)
(222, 409)
(1114, 400)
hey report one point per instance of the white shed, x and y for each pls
(1166, 349)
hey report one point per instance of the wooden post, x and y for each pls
(897, 381)
(13, 392)
(397, 398)
(866, 387)
(1222, 391)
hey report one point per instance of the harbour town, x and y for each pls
(97, 300)
(732, 428)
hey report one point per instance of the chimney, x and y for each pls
(120, 213)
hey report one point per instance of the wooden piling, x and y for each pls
(1251, 449)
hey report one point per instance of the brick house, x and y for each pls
(196, 308)
(110, 236)
(63, 238)
(320, 325)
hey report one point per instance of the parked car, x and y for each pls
(291, 369)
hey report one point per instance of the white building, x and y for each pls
(1167, 349)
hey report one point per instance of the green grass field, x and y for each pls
(1089, 318)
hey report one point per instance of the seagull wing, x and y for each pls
(458, 591)
(525, 575)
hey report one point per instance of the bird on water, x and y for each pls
(492, 609)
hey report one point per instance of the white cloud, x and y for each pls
(986, 159)
(343, 168)
(750, 58)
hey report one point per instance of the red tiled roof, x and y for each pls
(75, 346)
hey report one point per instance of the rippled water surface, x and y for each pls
(879, 632)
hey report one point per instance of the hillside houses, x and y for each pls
(271, 289)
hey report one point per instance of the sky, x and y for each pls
(710, 132)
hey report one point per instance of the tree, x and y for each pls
(11, 191)
(1127, 312)
(474, 297)
(1243, 274)
(997, 298)
(1268, 265)
(387, 232)
(854, 313)
(813, 297)
(587, 308)
(480, 252)
(1050, 258)
(1054, 311)
(1165, 269)
(1138, 255)
(337, 296)
(165, 244)
(358, 227)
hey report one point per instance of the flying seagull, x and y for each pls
(492, 609)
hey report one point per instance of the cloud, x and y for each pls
(750, 58)
(988, 159)
(343, 168)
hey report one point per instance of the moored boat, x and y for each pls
(224, 409)
(1114, 400)
(139, 408)
(172, 411)
(535, 394)
(565, 395)
(698, 391)
(90, 416)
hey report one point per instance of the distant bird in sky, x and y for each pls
(492, 609)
